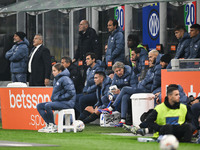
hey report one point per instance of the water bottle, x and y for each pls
(145, 140)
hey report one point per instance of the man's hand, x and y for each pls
(117, 91)
(157, 98)
(73, 60)
(194, 102)
(46, 82)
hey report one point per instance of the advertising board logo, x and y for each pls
(153, 24)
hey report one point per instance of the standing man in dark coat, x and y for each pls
(39, 65)
(87, 42)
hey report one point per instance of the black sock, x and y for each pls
(90, 118)
(84, 115)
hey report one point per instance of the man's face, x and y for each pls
(174, 97)
(37, 41)
(119, 72)
(134, 56)
(16, 38)
(129, 43)
(179, 34)
(64, 63)
(152, 59)
(110, 26)
(89, 61)
(98, 79)
(163, 64)
(193, 32)
(83, 26)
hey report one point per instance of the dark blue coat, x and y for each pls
(63, 89)
(102, 93)
(90, 85)
(152, 80)
(195, 47)
(141, 61)
(183, 48)
(18, 57)
(115, 51)
(120, 82)
(157, 76)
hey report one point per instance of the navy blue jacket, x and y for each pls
(157, 76)
(183, 48)
(102, 93)
(115, 51)
(141, 62)
(195, 47)
(63, 89)
(134, 80)
(120, 82)
(18, 57)
(90, 86)
(152, 80)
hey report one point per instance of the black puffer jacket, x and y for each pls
(88, 42)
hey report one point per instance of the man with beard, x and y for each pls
(171, 117)
(138, 57)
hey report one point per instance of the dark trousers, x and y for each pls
(182, 132)
(82, 101)
(196, 114)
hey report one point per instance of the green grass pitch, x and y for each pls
(92, 138)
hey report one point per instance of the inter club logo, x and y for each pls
(153, 24)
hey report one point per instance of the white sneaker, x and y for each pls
(52, 128)
(44, 129)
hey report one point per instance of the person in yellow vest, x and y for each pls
(171, 117)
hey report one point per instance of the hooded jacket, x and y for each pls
(152, 80)
(124, 80)
(183, 48)
(195, 47)
(90, 86)
(18, 57)
(63, 89)
(102, 93)
(115, 51)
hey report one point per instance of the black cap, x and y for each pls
(21, 35)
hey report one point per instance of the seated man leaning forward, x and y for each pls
(102, 82)
(170, 117)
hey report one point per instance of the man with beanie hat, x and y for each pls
(18, 57)
(165, 60)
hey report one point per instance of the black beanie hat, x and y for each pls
(166, 58)
(21, 35)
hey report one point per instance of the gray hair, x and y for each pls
(118, 65)
(40, 36)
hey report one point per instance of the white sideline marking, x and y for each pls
(18, 145)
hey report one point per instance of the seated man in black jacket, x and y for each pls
(75, 74)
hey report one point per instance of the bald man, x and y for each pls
(87, 42)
